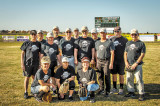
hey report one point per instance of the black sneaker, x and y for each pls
(26, 95)
(130, 94)
(71, 98)
(92, 100)
(100, 92)
(141, 97)
(106, 95)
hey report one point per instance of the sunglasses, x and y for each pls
(68, 32)
(116, 31)
(134, 34)
(33, 34)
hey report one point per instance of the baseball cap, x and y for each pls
(33, 32)
(85, 59)
(117, 28)
(55, 27)
(94, 31)
(76, 29)
(68, 29)
(45, 59)
(134, 31)
(49, 34)
(84, 28)
(103, 30)
(40, 31)
(65, 59)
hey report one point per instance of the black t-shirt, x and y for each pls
(67, 46)
(119, 44)
(103, 49)
(57, 40)
(32, 50)
(85, 77)
(84, 46)
(40, 75)
(64, 74)
(43, 41)
(96, 40)
(51, 50)
(134, 50)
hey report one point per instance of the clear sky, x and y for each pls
(143, 15)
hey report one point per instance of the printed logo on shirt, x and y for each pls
(84, 80)
(51, 51)
(116, 43)
(101, 47)
(34, 48)
(65, 75)
(68, 47)
(84, 44)
(46, 77)
(132, 46)
(56, 42)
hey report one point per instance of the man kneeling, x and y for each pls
(65, 73)
(87, 78)
(41, 83)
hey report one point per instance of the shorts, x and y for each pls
(118, 69)
(35, 89)
(52, 66)
(30, 70)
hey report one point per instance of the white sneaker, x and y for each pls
(113, 91)
(120, 92)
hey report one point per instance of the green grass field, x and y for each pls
(11, 81)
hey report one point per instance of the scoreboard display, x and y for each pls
(107, 22)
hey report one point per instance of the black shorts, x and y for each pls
(52, 66)
(30, 70)
(118, 69)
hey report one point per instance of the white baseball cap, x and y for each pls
(134, 31)
(84, 28)
(55, 27)
(45, 59)
(103, 30)
(40, 31)
(68, 29)
(65, 59)
(94, 31)
(49, 34)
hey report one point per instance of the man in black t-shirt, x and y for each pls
(133, 56)
(30, 59)
(118, 67)
(84, 47)
(40, 37)
(41, 83)
(57, 38)
(87, 77)
(76, 33)
(105, 58)
(67, 46)
(65, 72)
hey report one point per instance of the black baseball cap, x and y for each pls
(33, 32)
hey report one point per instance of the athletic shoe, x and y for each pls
(120, 92)
(100, 92)
(106, 95)
(71, 98)
(141, 97)
(113, 91)
(92, 100)
(38, 99)
(26, 95)
(130, 94)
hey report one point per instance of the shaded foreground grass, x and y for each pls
(11, 80)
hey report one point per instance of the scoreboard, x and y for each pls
(107, 22)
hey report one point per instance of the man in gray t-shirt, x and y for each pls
(133, 55)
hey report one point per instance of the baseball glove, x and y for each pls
(82, 92)
(129, 69)
(64, 87)
(47, 97)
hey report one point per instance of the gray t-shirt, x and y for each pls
(40, 75)
(103, 49)
(51, 50)
(85, 77)
(134, 50)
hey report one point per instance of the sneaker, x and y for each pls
(38, 99)
(71, 98)
(26, 95)
(114, 91)
(100, 92)
(92, 100)
(130, 94)
(141, 97)
(120, 92)
(106, 95)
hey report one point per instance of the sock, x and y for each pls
(115, 84)
(92, 95)
(70, 95)
(121, 86)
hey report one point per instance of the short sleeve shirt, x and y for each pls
(40, 75)
(134, 50)
(57, 40)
